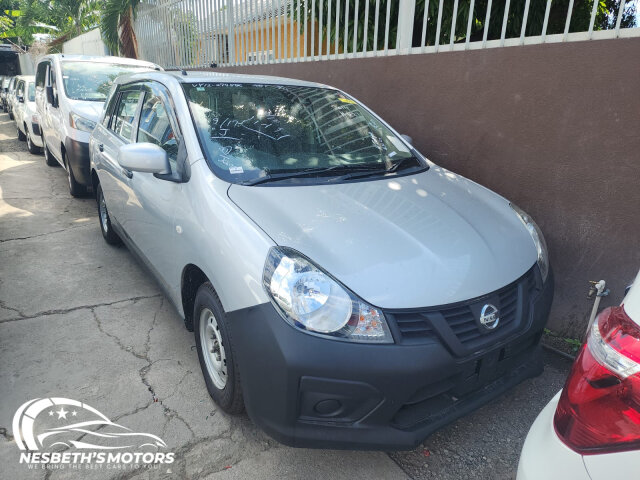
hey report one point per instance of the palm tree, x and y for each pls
(116, 25)
(65, 18)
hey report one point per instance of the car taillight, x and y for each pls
(599, 408)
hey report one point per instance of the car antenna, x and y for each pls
(184, 72)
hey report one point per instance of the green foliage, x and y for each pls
(5, 23)
(116, 26)
(61, 18)
(606, 15)
(574, 343)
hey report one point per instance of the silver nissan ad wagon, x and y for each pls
(343, 288)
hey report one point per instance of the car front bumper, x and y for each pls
(308, 391)
(77, 153)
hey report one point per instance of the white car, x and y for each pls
(25, 114)
(8, 96)
(70, 93)
(591, 429)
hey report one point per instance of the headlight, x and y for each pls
(309, 299)
(538, 240)
(81, 123)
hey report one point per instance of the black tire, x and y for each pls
(30, 146)
(48, 158)
(75, 188)
(10, 115)
(229, 398)
(21, 136)
(108, 233)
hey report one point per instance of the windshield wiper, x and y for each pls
(273, 177)
(402, 162)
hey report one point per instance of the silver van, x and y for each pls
(345, 290)
(70, 92)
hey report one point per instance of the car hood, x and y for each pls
(89, 110)
(421, 240)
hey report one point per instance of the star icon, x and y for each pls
(74, 413)
(51, 413)
(62, 413)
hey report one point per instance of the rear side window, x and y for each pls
(20, 88)
(155, 127)
(41, 74)
(125, 114)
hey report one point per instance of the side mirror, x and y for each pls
(145, 158)
(407, 139)
(20, 98)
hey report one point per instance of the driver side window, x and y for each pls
(155, 127)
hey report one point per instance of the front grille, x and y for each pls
(460, 322)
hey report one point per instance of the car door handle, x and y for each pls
(101, 147)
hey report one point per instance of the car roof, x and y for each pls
(194, 76)
(65, 57)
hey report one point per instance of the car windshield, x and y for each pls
(256, 131)
(92, 81)
(31, 92)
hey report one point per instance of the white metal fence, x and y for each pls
(200, 33)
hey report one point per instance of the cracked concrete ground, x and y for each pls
(81, 319)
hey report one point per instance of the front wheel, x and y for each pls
(21, 136)
(215, 351)
(108, 233)
(48, 157)
(30, 146)
(75, 188)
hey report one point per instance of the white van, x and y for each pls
(25, 114)
(70, 93)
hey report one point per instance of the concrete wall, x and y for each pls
(89, 43)
(555, 128)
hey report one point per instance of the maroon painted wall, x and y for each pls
(555, 128)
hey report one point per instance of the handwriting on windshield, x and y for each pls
(231, 129)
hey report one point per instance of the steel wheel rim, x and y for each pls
(28, 141)
(212, 348)
(102, 211)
